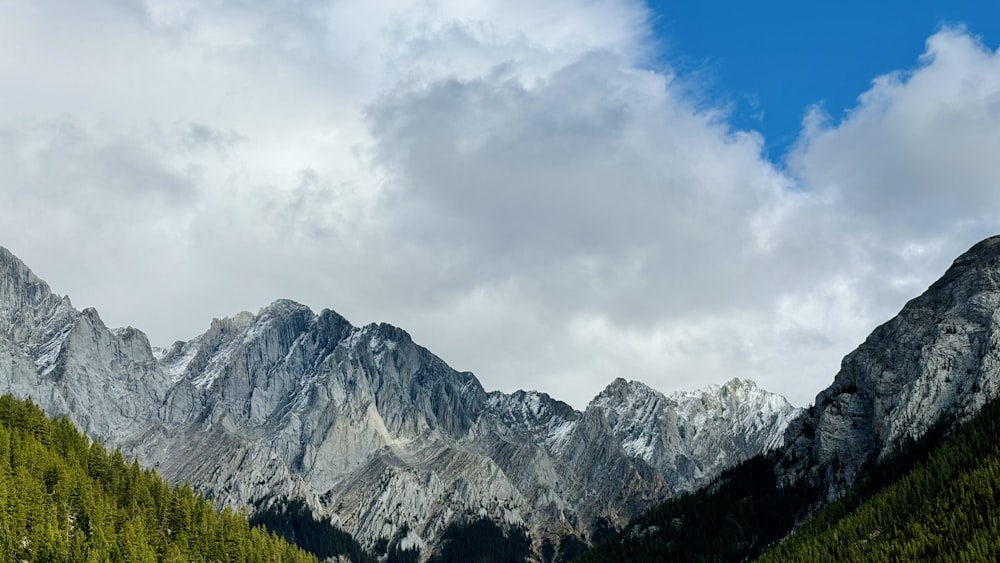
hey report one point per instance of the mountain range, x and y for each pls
(381, 436)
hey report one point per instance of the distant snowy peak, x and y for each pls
(621, 391)
(694, 435)
(640, 405)
(534, 416)
(751, 410)
(529, 408)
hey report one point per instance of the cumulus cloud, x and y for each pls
(908, 172)
(919, 142)
(511, 182)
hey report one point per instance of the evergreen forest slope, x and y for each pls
(945, 508)
(734, 518)
(64, 498)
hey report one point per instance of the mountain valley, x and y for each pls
(366, 427)
(288, 411)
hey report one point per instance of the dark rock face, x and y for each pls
(367, 426)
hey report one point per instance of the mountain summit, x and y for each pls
(365, 425)
(939, 356)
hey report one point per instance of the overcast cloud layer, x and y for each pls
(511, 182)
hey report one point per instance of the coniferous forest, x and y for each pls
(293, 521)
(64, 498)
(944, 507)
(737, 516)
(483, 541)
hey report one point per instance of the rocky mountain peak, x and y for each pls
(15, 273)
(20, 288)
(621, 390)
(29, 312)
(288, 312)
(236, 323)
(737, 385)
(333, 325)
(985, 253)
(388, 333)
(940, 355)
(975, 272)
(529, 409)
(692, 435)
(92, 316)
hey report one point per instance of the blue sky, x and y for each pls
(548, 194)
(770, 61)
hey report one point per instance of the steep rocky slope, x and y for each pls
(940, 354)
(364, 424)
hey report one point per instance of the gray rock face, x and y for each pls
(692, 436)
(69, 362)
(940, 354)
(368, 427)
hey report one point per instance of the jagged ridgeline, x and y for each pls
(374, 433)
(65, 498)
(383, 439)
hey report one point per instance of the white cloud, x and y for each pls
(509, 182)
(909, 172)
(919, 143)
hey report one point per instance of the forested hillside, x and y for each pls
(483, 541)
(293, 521)
(946, 508)
(64, 498)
